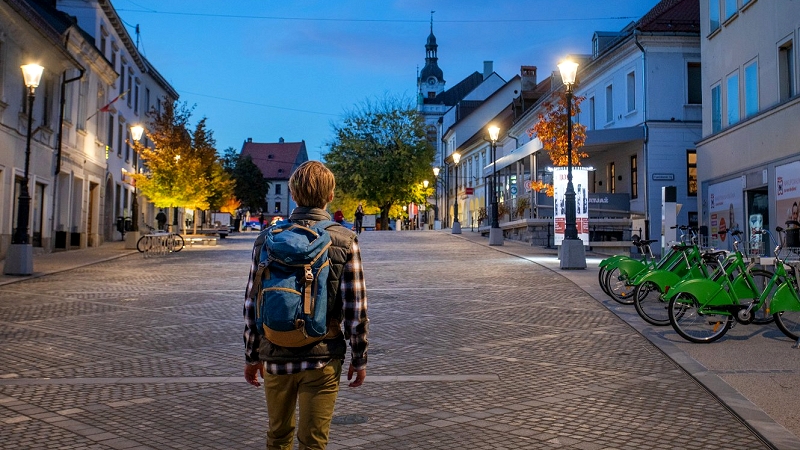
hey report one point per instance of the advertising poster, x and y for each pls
(580, 180)
(726, 211)
(787, 193)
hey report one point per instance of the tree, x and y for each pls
(251, 188)
(551, 129)
(183, 170)
(379, 153)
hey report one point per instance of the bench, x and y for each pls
(202, 240)
(222, 231)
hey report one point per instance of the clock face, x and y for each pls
(431, 81)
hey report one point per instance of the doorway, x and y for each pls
(758, 216)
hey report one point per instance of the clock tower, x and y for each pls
(430, 81)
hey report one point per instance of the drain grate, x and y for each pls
(350, 419)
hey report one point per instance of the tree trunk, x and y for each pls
(385, 217)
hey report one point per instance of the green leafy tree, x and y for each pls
(379, 153)
(183, 170)
(251, 188)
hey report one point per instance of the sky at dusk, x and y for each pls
(266, 69)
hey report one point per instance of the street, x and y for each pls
(471, 347)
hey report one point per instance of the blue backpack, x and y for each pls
(292, 275)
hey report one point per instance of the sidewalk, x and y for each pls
(49, 263)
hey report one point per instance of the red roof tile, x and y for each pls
(277, 160)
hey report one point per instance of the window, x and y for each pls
(147, 100)
(47, 104)
(751, 89)
(609, 103)
(127, 143)
(713, 14)
(730, 8)
(694, 84)
(121, 78)
(732, 97)
(136, 99)
(277, 189)
(82, 94)
(592, 114)
(110, 136)
(630, 81)
(101, 44)
(130, 88)
(612, 178)
(634, 177)
(691, 172)
(786, 71)
(716, 108)
(120, 134)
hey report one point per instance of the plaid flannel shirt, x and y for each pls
(353, 291)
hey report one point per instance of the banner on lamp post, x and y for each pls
(580, 180)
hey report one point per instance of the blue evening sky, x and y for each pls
(268, 69)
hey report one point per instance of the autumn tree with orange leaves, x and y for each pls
(551, 129)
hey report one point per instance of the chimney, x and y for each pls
(249, 139)
(488, 69)
(528, 76)
(280, 140)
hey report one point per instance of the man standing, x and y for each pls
(359, 218)
(311, 374)
(161, 219)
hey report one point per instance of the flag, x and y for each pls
(108, 106)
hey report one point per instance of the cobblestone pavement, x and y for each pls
(470, 348)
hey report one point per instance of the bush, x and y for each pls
(522, 204)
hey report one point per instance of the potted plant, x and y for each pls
(523, 204)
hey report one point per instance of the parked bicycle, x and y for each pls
(159, 242)
(703, 310)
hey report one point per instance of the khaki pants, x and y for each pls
(316, 392)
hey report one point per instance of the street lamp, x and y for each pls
(19, 260)
(495, 233)
(573, 255)
(136, 134)
(436, 224)
(456, 223)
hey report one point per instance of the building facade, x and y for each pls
(748, 160)
(277, 161)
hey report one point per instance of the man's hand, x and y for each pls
(251, 373)
(360, 376)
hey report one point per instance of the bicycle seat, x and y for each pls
(715, 255)
(648, 241)
(681, 247)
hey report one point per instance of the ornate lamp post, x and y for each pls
(495, 233)
(423, 225)
(436, 224)
(136, 134)
(19, 260)
(573, 255)
(456, 223)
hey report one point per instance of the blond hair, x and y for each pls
(312, 185)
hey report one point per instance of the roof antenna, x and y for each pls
(137, 36)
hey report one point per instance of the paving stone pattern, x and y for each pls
(470, 348)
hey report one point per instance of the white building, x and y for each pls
(642, 111)
(126, 102)
(26, 38)
(748, 159)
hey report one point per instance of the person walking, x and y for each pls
(161, 219)
(359, 218)
(311, 374)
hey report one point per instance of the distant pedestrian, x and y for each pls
(261, 221)
(359, 218)
(161, 219)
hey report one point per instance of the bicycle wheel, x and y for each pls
(601, 278)
(176, 242)
(761, 278)
(789, 323)
(692, 324)
(618, 287)
(143, 243)
(650, 305)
